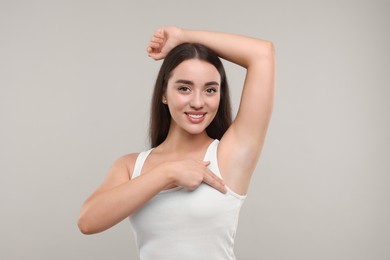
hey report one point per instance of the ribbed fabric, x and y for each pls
(181, 224)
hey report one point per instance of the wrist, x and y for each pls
(180, 35)
(184, 36)
(168, 173)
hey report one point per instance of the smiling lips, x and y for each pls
(195, 117)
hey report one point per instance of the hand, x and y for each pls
(190, 174)
(163, 41)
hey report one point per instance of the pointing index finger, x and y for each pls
(214, 181)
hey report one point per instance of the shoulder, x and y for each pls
(125, 163)
(120, 172)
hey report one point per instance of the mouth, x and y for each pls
(195, 117)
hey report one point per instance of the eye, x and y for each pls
(211, 90)
(183, 89)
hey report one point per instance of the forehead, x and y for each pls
(196, 70)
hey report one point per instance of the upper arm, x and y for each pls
(119, 173)
(241, 145)
(251, 122)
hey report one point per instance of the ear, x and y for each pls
(164, 99)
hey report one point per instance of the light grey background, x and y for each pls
(75, 88)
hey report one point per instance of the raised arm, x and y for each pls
(241, 145)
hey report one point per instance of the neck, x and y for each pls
(184, 142)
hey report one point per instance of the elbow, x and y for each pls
(270, 45)
(85, 224)
(271, 49)
(263, 51)
(267, 50)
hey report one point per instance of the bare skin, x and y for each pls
(178, 161)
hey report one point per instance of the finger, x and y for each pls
(159, 33)
(206, 163)
(212, 175)
(220, 180)
(156, 56)
(152, 51)
(154, 45)
(157, 39)
(215, 182)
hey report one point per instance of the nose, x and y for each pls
(197, 101)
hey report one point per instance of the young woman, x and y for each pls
(184, 195)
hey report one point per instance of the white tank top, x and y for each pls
(182, 224)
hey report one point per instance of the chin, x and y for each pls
(196, 130)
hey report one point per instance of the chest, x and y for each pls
(180, 209)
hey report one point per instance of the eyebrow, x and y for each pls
(189, 82)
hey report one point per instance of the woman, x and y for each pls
(183, 196)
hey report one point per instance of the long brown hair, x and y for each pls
(160, 118)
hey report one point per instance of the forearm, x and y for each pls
(242, 50)
(105, 209)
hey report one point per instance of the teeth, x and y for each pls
(195, 116)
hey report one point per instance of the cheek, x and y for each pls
(176, 103)
(215, 103)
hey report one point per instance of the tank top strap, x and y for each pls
(211, 155)
(139, 163)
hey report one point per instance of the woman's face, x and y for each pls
(193, 95)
